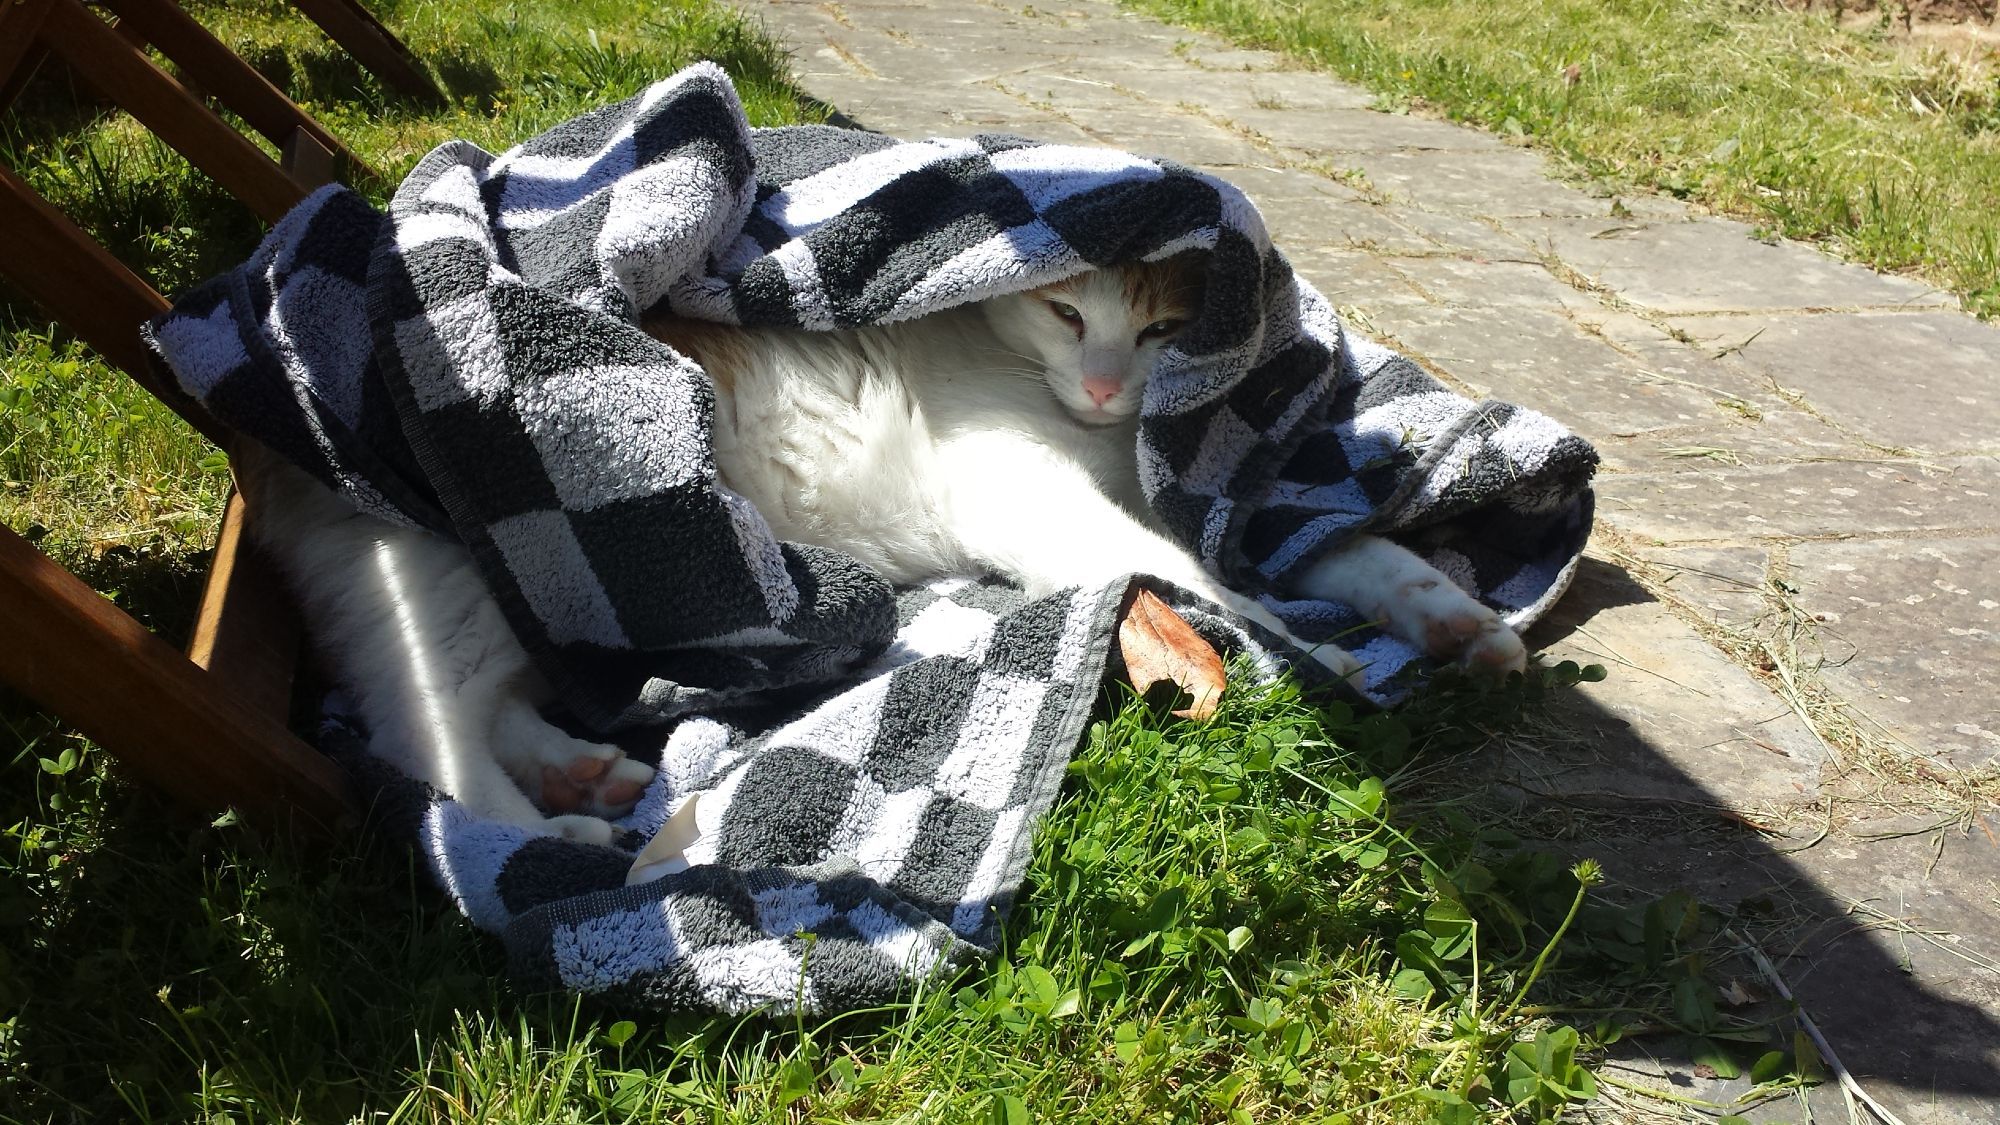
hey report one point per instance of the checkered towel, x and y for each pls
(870, 763)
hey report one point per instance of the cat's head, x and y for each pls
(1098, 334)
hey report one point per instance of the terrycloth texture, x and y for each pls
(890, 819)
(469, 362)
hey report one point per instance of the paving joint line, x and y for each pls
(1798, 400)
(1421, 290)
(1904, 308)
(853, 60)
(1793, 539)
(1564, 272)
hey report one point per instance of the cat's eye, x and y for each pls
(1160, 330)
(1066, 311)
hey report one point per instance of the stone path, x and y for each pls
(1787, 438)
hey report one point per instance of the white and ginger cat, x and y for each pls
(997, 437)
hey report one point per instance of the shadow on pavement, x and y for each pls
(1907, 1005)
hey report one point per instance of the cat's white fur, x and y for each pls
(993, 438)
(406, 625)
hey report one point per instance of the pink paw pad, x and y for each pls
(1446, 637)
(1477, 638)
(1496, 651)
(599, 786)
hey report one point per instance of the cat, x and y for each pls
(997, 437)
(1000, 437)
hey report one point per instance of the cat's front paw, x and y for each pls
(1496, 650)
(1335, 659)
(1455, 627)
(1330, 656)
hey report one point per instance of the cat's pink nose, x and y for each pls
(1101, 389)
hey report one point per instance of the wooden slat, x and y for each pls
(246, 629)
(86, 662)
(374, 46)
(69, 274)
(19, 21)
(308, 162)
(124, 74)
(16, 79)
(21, 53)
(207, 728)
(246, 632)
(206, 62)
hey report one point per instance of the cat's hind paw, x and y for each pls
(564, 774)
(603, 784)
(580, 829)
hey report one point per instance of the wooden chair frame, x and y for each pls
(208, 727)
(165, 26)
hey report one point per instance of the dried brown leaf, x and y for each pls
(1159, 647)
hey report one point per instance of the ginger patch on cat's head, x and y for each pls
(1169, 289)
(1165, 290)
(1162, 295)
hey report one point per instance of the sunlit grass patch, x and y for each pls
(1224, 922)
(93, 463)
(1884, 154)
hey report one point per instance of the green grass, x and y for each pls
(1228, 922)
(1880, 152)
(1289, 914)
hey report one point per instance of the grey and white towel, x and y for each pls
(872, 762)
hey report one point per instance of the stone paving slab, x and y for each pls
(1503, 183)
(1671, 353)
(1804, 500)
(1915, 625)
(1724, 584)
(1341, 133)
(893, 107)
(1540, 358)
(1661, 740)
(1721, 443)
(1922, 1037)
(1492, 283)
(1464, 235)
(1926, 878)
(1354, 277)
(1742, 393)
(1167, 81)
(1671, 267)
(1675, 721)
(1922, 381)
(1301, 217)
